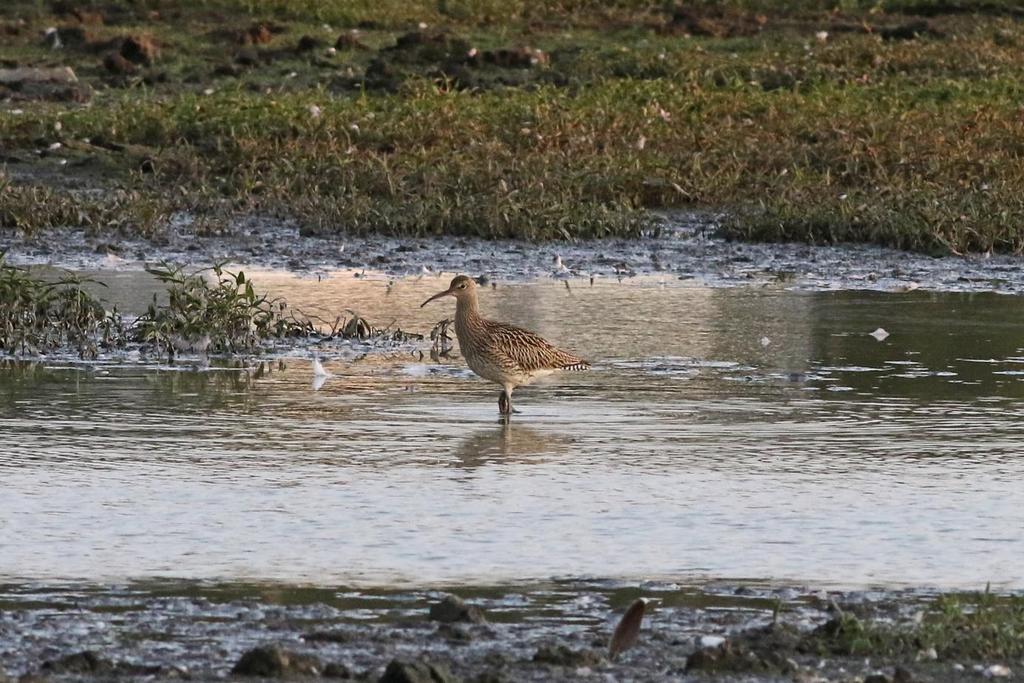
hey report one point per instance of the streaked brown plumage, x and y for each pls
(507, 355)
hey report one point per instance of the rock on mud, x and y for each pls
(307, 43)
(405, 671)
(85, 662)
(73, 36)
(139, 50)
(259, 33)
(766, 649)
(21, 75)
(509, 58)
(453, 608)
(424, 46)
(117, 64)
(247, 56)
(563, 655)
(347, 41)
(59, 84)
(272, 661)
(334, 670)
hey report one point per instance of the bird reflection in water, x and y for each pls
(509, 443)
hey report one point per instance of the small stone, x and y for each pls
(229, 70)
(85, 662)
(247, 56)
(335, 670)
(260, 33)
(73, 36)
(491, 677)
(452, 608)
(347, 41)
(454, 634)
(117, 64)
(511, 58)
(271, 661)
(308, 43)
(563, 655)
(60, 74)
(902, 675)
(328, 637)
(997, 671)
(106, 249)
(405, 671)
(139, 50)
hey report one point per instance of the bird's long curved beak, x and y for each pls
(436, 296)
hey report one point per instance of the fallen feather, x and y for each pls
(628, 630)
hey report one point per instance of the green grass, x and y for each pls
(981, 627)
(911, 143)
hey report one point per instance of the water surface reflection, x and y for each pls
(733, 432)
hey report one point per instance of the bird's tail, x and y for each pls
(578, 366)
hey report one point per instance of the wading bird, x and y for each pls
(503, 354)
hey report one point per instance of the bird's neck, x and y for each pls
(466, 309)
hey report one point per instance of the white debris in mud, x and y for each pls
(709, 641)
(318, 368)
(997, 671)
(880, 334)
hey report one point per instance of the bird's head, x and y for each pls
(462, 288)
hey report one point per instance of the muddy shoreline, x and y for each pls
(552, 631)
(683, 247)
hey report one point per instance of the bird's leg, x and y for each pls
(505, 402)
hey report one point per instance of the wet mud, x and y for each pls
(684, 248)
(545, 632)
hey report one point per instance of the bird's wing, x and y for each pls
(529, 352)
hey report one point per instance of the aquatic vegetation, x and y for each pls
(39, 315)
(207, 310)
(221, 314)
(441, 337)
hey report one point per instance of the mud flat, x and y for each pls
(682, 247)
(541, 632)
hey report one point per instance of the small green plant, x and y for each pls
(38, 315)
(972, 627)
(222, 314)
(975, 627)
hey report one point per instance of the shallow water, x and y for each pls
(727, 433)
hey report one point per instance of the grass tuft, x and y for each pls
(890, 122)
